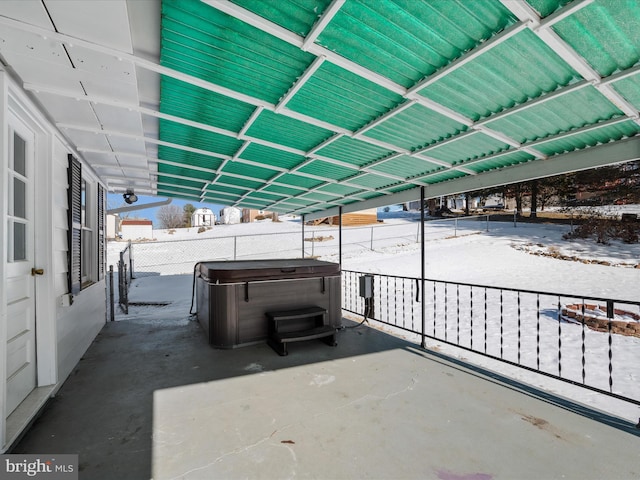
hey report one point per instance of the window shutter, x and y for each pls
(101, 232)
(74, 212)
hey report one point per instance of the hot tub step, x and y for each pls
(299, 325)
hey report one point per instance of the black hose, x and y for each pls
(193, 288)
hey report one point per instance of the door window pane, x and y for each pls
(19, 155)
(19, 198)
(19, 241)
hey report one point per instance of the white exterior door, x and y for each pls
(21, 315)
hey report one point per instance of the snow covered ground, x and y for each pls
(521, 257)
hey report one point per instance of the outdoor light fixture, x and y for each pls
(130, 197)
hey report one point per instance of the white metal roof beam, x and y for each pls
(386, 116)
(609, 154)
(494, 41)
(568, 54)
(577, 131)
(322, 23)
(299, 83)
(536, 101)
(563, 13)
(247, 125)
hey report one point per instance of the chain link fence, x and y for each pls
(179, 256)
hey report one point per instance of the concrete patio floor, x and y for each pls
(151, 399)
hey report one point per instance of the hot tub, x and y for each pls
(233, 297)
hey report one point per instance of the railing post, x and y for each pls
(131, 272)
(340, 236)
(455, 227)
(423, 343)
(515, 218)
(313, 244)
(125, 291)
(235, 247)
(111, 300)
(371, 248)
(302, 221)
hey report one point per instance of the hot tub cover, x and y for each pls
(263, 270)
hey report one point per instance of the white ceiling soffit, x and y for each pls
(30, 44)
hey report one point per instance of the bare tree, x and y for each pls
(170, 216)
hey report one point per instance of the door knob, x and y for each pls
(37, 271)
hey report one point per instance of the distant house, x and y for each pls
(136, 229)
(250, 215)
(203, 217)
(230, 215)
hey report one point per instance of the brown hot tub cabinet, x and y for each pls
(247, 301)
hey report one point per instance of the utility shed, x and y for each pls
(203, 217)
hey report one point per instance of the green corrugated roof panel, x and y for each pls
(204, 42)
(518, 69)
(605, 34)
(287, 131)
(590, 138)
(370, 180)
(197, 138)
(200, 105)
(217, 189)
(223, 198)
(279, 190)
(629, 88)
(402, 188)
(271, 157)
(466, 148)
(338, 189)
(185, 172)
(547, 7)
(259, 173)
(176, 191)
(327, 170)
(500, 161)
(263, 196)
(561, 114)
(298, 202)
(189, 158)
(297, 16)
(183, 182)
(348, 100)
(415, 127)
(405, 40)
(316, 196)
(406, 166)
(238, 182)
(224, 189)
(363, 196)
(353, 151)
(443, 177)
(299, 181)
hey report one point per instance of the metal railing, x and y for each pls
(573, 338)
(125, 275)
